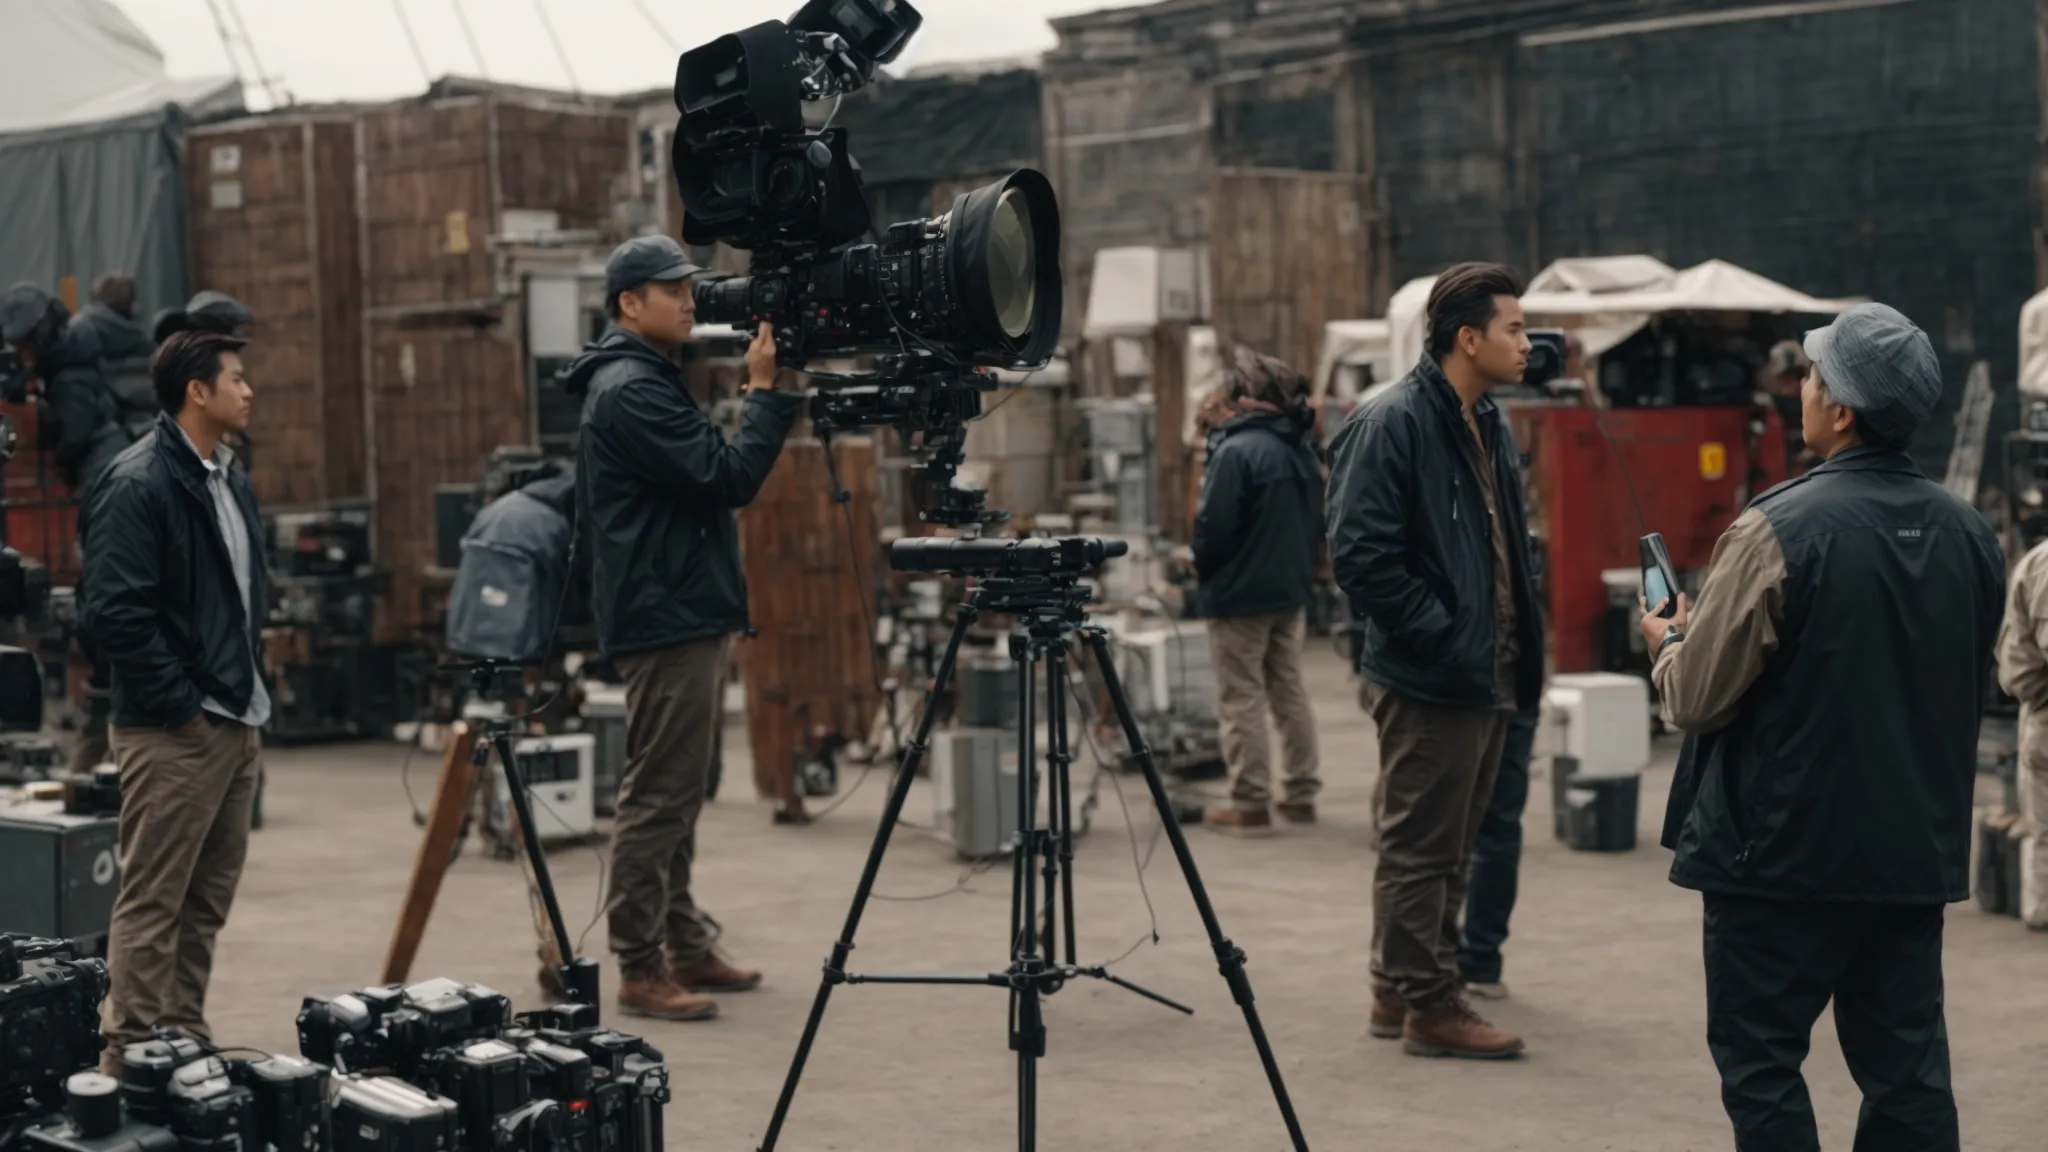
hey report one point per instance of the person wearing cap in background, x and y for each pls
(1785, 372)
(659, 483)
(1830, 680)
(80, 425)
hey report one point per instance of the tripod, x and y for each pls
(1047, 606)
(579, 974)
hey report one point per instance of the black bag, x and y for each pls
(509, 588)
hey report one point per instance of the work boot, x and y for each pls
(1450, 1027)
(658, 998)
(1239, 821)
(1297, 811)
(1388, 1014)
(713, 975)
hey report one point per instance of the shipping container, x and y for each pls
(273, 223)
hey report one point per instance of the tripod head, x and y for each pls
(929, 403)
(490, 679)
(1037, 580)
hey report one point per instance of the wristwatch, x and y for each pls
(1670, 638)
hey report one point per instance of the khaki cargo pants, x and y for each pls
(1258, 666)
(672, 718)
(2033, 789)
(186, 800)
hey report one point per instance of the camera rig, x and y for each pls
(930, 404)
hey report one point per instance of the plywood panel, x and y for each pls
(1289, 252)
(810, 593)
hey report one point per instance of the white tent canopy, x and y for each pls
(1606, 300)
(75, 62)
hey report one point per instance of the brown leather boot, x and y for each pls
(658, 998)
(713, 975)
(1388, 1014)
(1239, 821)
(1450, 1027)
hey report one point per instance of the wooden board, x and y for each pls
(273, 223)
(810, 671)
(1289, 252)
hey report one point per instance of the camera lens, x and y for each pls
(1013, 265)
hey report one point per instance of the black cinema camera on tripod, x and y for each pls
(935, 301)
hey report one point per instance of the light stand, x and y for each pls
(1038, 583)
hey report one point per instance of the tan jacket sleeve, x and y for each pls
(1730, 632)
(2023, 636)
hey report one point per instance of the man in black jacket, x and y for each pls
(174, 597)
(659, 484)
(82, 428)
(1257, 533)
(1831, 679)
(1427, 541)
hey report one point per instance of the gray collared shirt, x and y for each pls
(241, 553)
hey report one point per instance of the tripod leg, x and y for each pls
(1062, 758)
(1027, 1011)
(906, 772)
(1229, 957)
(579, 977)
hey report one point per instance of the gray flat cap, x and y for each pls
(1876, 363)
(645, 258)
(22, 307)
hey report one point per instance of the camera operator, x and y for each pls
(1428, 542)
(1257, 534)
(173, 594)
(659, 484)
(1831, 677)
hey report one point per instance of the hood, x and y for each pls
(78, 345)
(1291, 426)
(557, 492)
(120, 337)
(615, 344)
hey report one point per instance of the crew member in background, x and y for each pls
(1785, 373)
(1427, 541)
(1831, 679)
(81, 427)
(173, 597)
(1257, 533)
(2023, 672)
(659, 484)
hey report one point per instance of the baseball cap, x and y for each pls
(1879, 365)
(22, 307)
(646, 258)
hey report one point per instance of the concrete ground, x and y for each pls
(1604, 967)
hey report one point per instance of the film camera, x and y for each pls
(934, 299)
(176, 1093)
(442, 1065)
(49, 1022)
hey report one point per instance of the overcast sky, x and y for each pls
(357, 49)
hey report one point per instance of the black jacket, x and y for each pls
(1261, 516)
(658, 484)
(1411, 547)
(125, 349)
(85, 432)
(159, 595)
(1847, 774)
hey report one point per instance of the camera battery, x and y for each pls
(383, 1114)
(292, 1113)
(486, 1080)
(62, 871)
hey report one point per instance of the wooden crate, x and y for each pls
(811, 670)
(439, 177)
(273, 223)
(1288, 253)
(444, 397)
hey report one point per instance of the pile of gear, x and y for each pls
(436, 1065)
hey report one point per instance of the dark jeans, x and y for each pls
(1773, 966)
(1497, 858)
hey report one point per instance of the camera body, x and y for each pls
(49, 1022)
(395, 1028)
(175, 1094)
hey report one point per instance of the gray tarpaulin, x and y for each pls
(84, 200)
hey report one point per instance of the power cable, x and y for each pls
(562, 54)
(419, 57)
(249, 45)
(476, 52)
(648, 14)
(227, 41)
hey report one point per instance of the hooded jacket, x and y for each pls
(88, 433)
(657, 487)
(1260, 519)
(125, 349)
(1412, 547)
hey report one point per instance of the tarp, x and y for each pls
(82, 201)
(72, 62)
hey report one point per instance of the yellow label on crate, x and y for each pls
(1713, 461)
